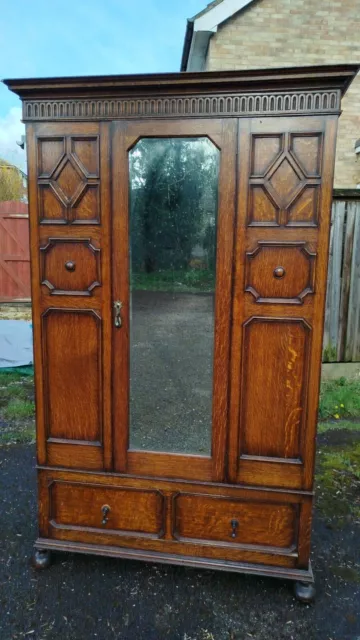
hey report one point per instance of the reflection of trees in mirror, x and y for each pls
(173, 185)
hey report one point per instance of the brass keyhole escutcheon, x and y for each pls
(70, 265)
(117, 313)
(105, 509)
(279, 272)
(234, 526)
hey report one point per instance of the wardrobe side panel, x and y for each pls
(283, 218)
(70, 255)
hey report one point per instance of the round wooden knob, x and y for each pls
(70, 265)
(279, 272)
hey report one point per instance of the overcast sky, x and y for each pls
(78, 37)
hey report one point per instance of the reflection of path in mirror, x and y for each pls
(171, 355)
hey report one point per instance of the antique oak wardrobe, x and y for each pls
(179, 245)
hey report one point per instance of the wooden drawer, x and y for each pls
(101, 507)
(234, 521)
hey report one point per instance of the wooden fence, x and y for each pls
(342, 315)
(14, 252)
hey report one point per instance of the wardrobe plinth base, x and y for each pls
(301, 576)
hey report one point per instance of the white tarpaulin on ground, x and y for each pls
(16, 345)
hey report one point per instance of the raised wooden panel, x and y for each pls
(86, 204)
(304, 209)
(234, 521)
(273, 382)
(284, 179)
(68, 179)
(70, 266)
(51, 208)
(307, 151)
(280, 272)
(73, 381)
(107, 508)
(50, 152)
(85, 152)
(265, 150)
(262, 209)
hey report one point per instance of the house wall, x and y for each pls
(283, 33)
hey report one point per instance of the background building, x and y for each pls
(250, 34)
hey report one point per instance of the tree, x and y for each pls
(11, 182)
(173, 201)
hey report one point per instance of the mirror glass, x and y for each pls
(173, 223)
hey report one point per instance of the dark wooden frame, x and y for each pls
(223, 135)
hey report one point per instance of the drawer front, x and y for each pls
(235, 521)
(107, 508)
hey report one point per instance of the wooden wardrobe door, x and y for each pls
(69, 231)
(163, 461)
(283, 218)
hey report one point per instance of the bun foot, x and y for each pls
(305, 592)
(41, 559)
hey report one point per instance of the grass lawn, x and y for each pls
(339, 399)
(177, 280)
(17, 408)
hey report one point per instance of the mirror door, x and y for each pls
(173, 213)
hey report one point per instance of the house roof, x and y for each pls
(200, 28)
(210, 6)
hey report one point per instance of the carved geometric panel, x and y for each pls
(306, 149)
(70, 266)
(51, 209)
(85, 151)
(304, 207)
(264, 151)
(280, 272)
(262, 209)
(72, 374)
(285, 179)
(68, 180)
(88, 203)
(274, 378)
(50, 152)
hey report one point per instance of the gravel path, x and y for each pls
(171, 372)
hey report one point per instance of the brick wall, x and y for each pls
(282, 33)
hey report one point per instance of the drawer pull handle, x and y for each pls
(279, 272)
(70, 265)
(234, 527)
(105, 510)
(117, 314)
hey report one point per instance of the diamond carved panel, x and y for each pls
(285, 179)
(68, 171)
